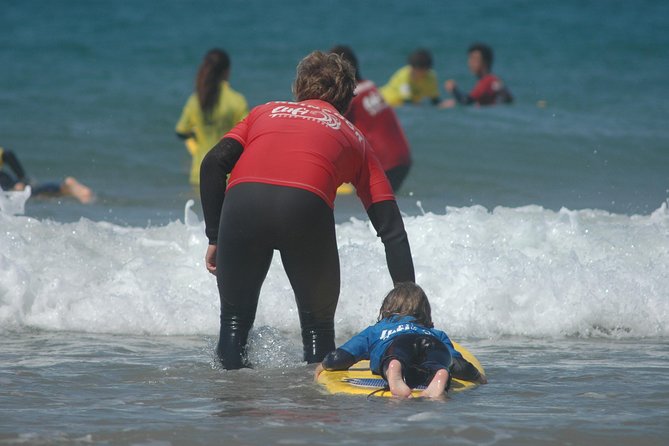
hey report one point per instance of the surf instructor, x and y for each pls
(286, 160)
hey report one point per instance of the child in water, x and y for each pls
(405, 348)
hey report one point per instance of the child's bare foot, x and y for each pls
(397, 385)
(437, 386)
(74, 188)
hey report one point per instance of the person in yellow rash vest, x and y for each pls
(211, 111)
(413, 83)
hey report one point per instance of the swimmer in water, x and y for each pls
(69, 187)
(488, 90)
(414, 82)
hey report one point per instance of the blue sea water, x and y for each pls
(540, 230)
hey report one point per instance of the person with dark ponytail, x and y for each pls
(211, 111)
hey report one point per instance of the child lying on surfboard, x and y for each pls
(405, 348)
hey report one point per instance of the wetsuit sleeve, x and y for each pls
(216, 166)
(461, 97)
(338, 360)
(14, 164)
(464, 370)
(387, 220)
(435, 98)
(359, 345)
(505, 95)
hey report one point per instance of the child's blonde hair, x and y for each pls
(407, 299)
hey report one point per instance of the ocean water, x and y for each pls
(540, 231)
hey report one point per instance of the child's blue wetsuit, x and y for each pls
(373, 343)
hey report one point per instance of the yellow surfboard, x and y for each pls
(359, 380)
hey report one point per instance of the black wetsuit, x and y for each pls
(256, 219)
(8, 182)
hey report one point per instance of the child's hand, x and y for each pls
(319, 369)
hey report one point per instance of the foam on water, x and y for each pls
(523, 271)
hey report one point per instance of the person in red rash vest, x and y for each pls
(488, 90)
(378, 122)
(286, 160)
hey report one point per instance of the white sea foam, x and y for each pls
(524, 271)
(14, 202)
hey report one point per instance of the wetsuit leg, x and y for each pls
(7, 182)
(308, 246)
(421, 357)
(243, 258)
(402, 349)
(396, 175)
(256, 219)
(46, 189)
(433, 356)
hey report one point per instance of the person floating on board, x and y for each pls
(405, 348)
(286, 160)
(211, 111)
(379, 123)
(69, 187)
(414, 82)
(488, 90)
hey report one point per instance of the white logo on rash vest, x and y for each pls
(385, 334)
(308, 112)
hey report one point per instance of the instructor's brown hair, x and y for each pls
(325, 76)
(407, 299)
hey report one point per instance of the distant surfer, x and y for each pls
(211, 111)
(378, 122)
(488, 90)
(405, 348)
(69, 187)
(413, 83)
(286, 160)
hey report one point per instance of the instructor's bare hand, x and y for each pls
(210, 259)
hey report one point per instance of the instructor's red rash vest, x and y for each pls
(307, 145)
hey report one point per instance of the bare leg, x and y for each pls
(74, 188)
(437, 386)
(397, 385)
